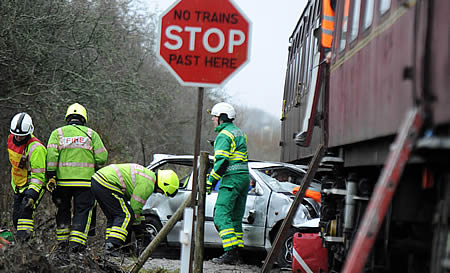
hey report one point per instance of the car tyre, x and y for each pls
(152, 227)
(284, 259)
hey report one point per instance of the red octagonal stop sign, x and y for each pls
(204, 42)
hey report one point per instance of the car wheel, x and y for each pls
(152, 227)
(285, 257)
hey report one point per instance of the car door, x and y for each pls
(254, 221)
(164, 207)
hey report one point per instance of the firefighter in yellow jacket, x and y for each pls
(27, 156)
(74, 153)
(122, 190)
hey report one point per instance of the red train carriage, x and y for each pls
(382, 109)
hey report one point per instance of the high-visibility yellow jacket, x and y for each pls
(74, 152)
(134, 181)
(32, 174)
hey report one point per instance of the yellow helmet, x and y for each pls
(168, 182)
(76, 109)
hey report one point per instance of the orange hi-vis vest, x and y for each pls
(327, 24)
(19, 174)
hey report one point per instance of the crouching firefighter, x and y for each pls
(27, 155)
(121, 191)
(231, 167)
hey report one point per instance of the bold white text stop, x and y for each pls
(236, 37)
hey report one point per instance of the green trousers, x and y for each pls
(230, 208)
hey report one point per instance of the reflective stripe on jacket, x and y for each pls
(134, 181)
(230, 152)
(73, 152)
(327, 24)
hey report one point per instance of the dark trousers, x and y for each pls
(118, 212)
(75, 229)
(23, 217)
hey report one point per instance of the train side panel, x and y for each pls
(440, 68)
(302, 92)
(369, 94)
(397, 61)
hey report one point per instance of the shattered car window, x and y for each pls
(284, 174)
(284, 186)
(182, 170)
(275, 184)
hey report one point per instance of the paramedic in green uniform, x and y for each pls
(231, 167)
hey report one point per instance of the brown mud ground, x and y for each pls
(40, 254)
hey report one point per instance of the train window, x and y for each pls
(311, 17)
(295, 80)
(318, 9)
(355, 20)
(306, 22)
(306, 63)
(291, 91)
(297, 41)
(314, 47)
(301, 37)
(310, 61)
(298, 80)
(344, 26)
(368, 14)
(384, 6)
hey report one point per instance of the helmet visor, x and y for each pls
(172, 194)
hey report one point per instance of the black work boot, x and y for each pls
(112, 250)
(23, 237)
(60, 251)
(239, 254)
(76, 247)
(62, 246)
(229, 257)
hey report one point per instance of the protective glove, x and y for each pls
(139, 229)
(51, 184)
(208, 186)
(50, 174)
(29, 197)
(142, 236)
(27, 202)
(31, 194)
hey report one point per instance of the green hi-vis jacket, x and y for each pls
(134, 181)
(32, 174)
(74, 152)
(230, 152)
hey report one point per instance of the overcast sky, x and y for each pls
(260, 83)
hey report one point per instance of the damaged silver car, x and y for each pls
(268, 203)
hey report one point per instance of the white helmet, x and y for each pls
(223, 108)
(21, 125)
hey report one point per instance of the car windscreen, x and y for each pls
(284, 186)
(274, 184)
